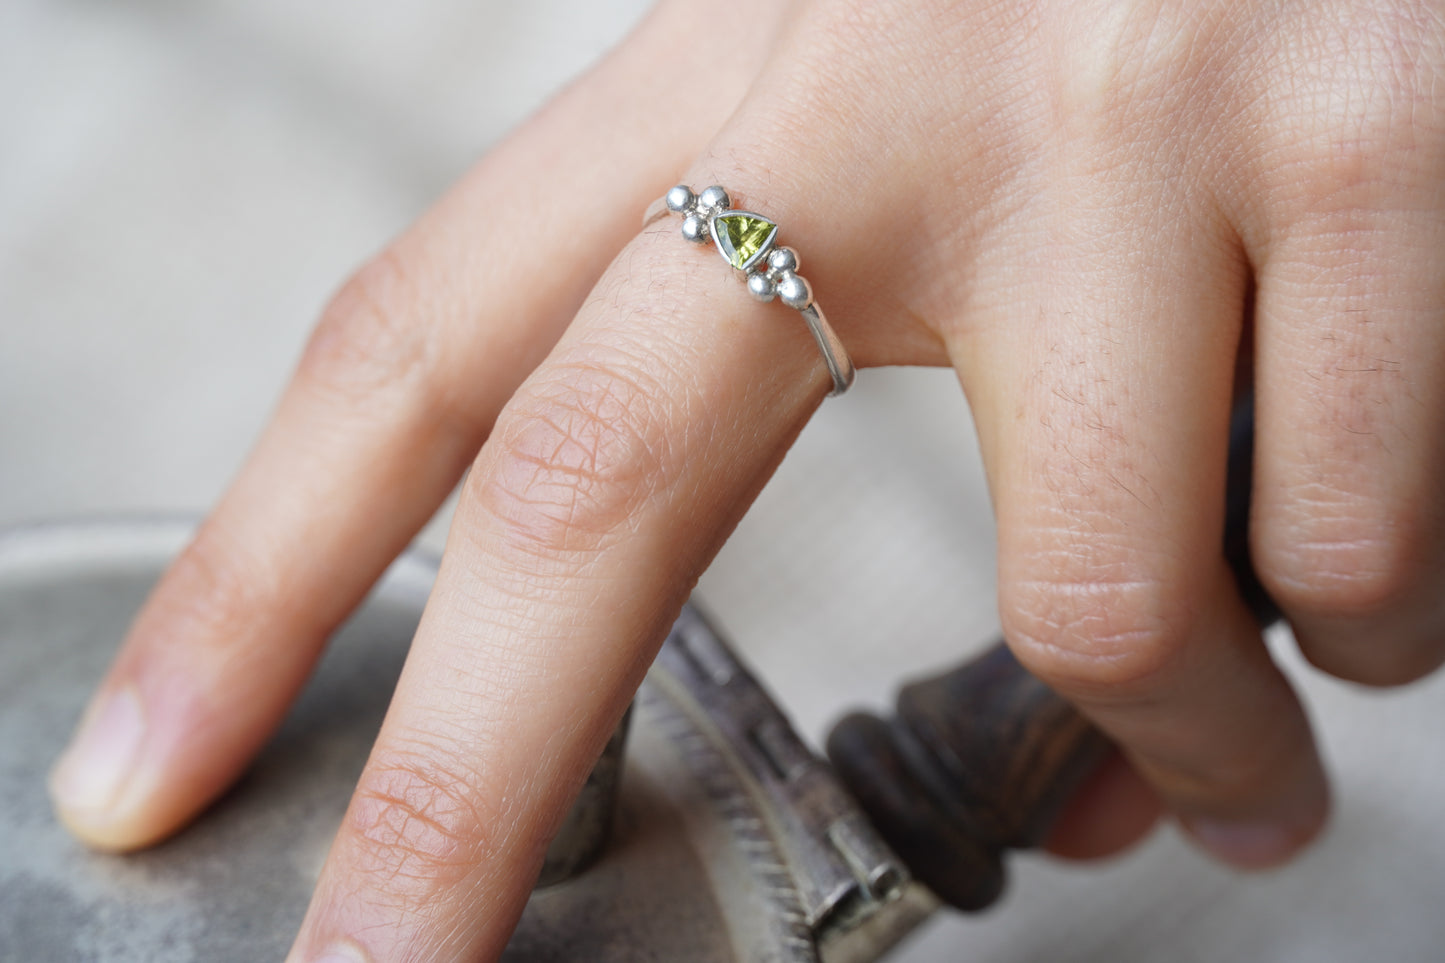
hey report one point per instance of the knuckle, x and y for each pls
(1332, 179)
(1336, 556)
(1122, 70)
(217, 587)
(1360, 104)
(414, 821)
(1105, 638)
(370, 337)
(574, 456)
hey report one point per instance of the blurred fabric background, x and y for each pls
(183, 184)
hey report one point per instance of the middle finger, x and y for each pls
(609, 482)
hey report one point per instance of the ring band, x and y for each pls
(746, 241)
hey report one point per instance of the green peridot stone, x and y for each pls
(741, 237)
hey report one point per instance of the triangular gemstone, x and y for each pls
(742, 237)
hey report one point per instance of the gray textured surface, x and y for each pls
(235, 886)
(181, 185)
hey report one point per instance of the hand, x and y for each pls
(1089, 209)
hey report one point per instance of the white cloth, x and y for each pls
(182, 185)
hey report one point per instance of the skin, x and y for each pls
(1091, 209)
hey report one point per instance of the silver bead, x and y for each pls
(783, 259)
(714, 199)
(694, 228)
(795, 292)
(680, 199)
(761, 287)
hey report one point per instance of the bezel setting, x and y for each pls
(719, 234)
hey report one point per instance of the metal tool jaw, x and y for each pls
(837, 893)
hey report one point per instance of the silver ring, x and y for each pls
(747, 242)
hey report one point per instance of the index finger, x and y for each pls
(397, 391)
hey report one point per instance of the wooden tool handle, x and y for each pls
(981, 759)
(978, 760)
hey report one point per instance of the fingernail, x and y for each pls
(341, 953)
(91, 773)
(1243, 844)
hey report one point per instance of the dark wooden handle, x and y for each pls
(977, 760)
(982, 758)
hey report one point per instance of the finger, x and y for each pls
(1112, 811)
(611, 479)
(1349, 526)
(1105, 429)
(397, 389)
